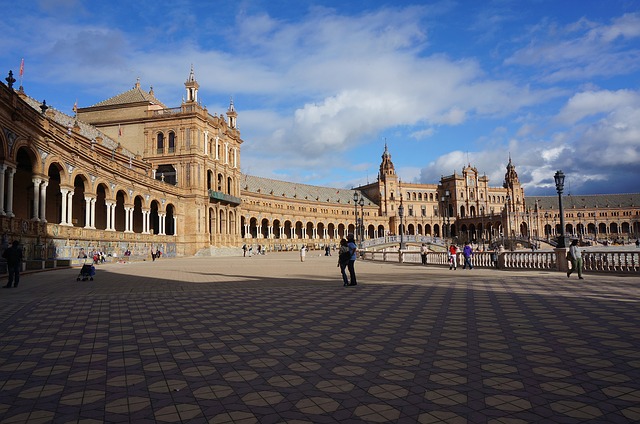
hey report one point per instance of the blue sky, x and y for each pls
(320, 86)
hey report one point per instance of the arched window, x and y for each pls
(172, 142)
(160, 143)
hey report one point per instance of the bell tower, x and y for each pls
(388, 185)
(232, 115)
(514, 189)
(192, 86)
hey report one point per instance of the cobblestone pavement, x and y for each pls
(270, 339)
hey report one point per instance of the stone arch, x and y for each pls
(56, 174)
(121, 198)
(287, 229)
(138, 220)
(102, 194)
(23, 185)
(169, 219)
(79, 208)
(154, 217)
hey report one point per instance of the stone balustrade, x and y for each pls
(612, 261)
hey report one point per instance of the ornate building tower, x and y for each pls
(191, 85)
(388, 186)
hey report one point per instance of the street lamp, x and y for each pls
(508, 218)
(356, 230)
(445, 204)
(361, 203)
(401, 213)
(559, 180)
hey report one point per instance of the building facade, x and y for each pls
(130, 173)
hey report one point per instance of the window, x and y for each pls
(160, 143)
(172, 142)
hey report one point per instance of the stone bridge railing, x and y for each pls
(593, 261)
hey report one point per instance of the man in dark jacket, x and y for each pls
(13, 255)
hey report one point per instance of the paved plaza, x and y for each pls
(270, 339)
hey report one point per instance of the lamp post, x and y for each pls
(546, 224)
(482, 232)
(508, 206)
(361, 203)
(559, 180)
(445, 204)
(401, 213)
(356, 197)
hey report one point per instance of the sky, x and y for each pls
(320, 87)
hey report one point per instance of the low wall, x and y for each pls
(626, 262)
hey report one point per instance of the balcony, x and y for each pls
(222, 197)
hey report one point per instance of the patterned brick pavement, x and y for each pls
(269, 339)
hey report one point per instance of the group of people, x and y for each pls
(96, 256)
(467, 252)
(347, 255)
(249, 249)
(155, 253)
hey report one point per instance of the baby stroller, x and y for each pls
(87, 272)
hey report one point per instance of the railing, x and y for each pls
(218, 195)
(605, 261)
(528, 260)
(593, 261)
(378, 241)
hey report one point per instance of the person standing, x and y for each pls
(303, 253)
(575, 257)
(423, 253)
(353, 250)
(494, 257)
(343, 260)
(467, 252)
(453, 257)
(13, 255)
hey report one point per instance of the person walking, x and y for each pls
(575, 257)
(353, 250)
(423, 253)
(343, 260)
(303, 253)
(453, 257)
(467, 252)
(13, 255)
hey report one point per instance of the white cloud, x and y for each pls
(586, 104)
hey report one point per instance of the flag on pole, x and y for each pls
(119, 130)
(75, 106)
(22, 68)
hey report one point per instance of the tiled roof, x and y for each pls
(591, 201)
(287, 190)
(135, 95)
(86, 130)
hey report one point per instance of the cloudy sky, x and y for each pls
(321, 86)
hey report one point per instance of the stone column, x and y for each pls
(93, 213)
(36, 198)
(109, 227)
(70, 208)
(9, 211)
(87, 212)
(113, 216)
(3, 169)
(63, 217)
(43, 201)
(127, 218)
